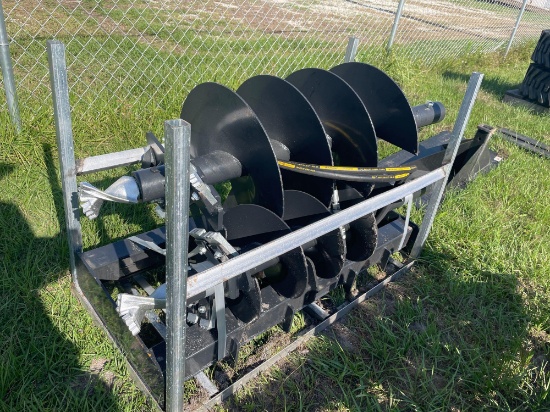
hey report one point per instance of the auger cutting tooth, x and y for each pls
(132, 309)
(124, 190)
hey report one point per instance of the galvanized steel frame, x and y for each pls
(7, 73)
(177, 134)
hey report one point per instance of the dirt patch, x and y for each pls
(95, 379)
(97, 365)
(321, 20)
(27, 18)
(349, 341)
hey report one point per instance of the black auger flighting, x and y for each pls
(293, 151)
(270, 197)
(290, 150)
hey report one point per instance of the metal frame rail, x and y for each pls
(179, 288)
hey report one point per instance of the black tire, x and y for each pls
(536, 85)
(541, 54)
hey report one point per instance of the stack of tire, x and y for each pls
(536, 85)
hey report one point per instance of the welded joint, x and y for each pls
(202, 190)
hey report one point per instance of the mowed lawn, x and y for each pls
(467, 330)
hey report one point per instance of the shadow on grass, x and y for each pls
(440, 339)
(39, 368)
(493, 85)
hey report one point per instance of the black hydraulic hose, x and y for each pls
(352, 174)
(353, 169)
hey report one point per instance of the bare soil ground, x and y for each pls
(369, 19)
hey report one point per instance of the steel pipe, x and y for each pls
(7, 73)
(203, 281)
(516, 27)
(65, 146)
(351, 50)
(450, 155)
(177, 135)
(395, 24)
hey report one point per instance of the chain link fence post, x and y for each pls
(124, 52)
(518, 21)
(7, 73)
(395, 24)
(351, 50)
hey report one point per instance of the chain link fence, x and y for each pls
(135, 50)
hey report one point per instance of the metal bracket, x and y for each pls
(214, 239)
(221, 328)
(148, 244)
(210, 205)
(408, 201)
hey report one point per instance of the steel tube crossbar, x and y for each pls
(220, 273)
(110, 160)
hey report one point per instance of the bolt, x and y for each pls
(160, 212)
(201, 309)
(343, 232)
(195, 197)
(192, 318)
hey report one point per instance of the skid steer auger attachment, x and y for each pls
(310, 206)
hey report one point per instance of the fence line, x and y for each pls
(7, 74)
(136, 50)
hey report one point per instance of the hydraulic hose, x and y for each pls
(351, 174)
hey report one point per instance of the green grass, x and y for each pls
(467, 330)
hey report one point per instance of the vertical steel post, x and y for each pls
(395, 24)
(450, 155)
(177, 135)
(518, 21)
(65, 146)
(7, 73)
(351, 50)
